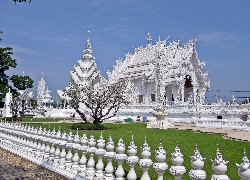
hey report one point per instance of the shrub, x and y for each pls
(9, 118)
(88, 126)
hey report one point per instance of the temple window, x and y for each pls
(140, 98)
(153, 97)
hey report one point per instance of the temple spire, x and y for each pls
(149, 39)
(87, 52)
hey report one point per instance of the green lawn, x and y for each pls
(41, 119)
(28, 120)
(231, 150)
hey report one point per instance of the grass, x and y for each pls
(231, 150)
(28, 120)
(41, 119)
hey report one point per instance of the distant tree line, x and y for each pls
(19, 1)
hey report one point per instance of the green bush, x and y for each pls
(27, 116)
(87, 126)
(9, 118)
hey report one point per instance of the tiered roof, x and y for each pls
(171, 61)
(86, 68)
(84, 71)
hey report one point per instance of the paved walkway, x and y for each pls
(226, 133)
(12, 167)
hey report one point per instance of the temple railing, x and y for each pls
(48, 149)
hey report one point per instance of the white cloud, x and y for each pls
(27, 51)
(219, 39)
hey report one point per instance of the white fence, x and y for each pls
(48, 149)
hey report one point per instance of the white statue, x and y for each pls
(7, 103)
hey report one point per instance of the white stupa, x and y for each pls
(83, 72)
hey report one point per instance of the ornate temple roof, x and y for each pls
(171, 62)
(85, 70)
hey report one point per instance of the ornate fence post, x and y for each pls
(177, 170)
(120, 157)
(197, 162)
(100, 153)
(145, 162)
(91, 163)
(160, 166)
(110, 154)
(69, 146)
(244, 167)
(62, 155)
(219, 166)
(132, 160)
(75, 158)
(83, 149)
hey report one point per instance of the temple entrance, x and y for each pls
(168, 93)
(188, 87)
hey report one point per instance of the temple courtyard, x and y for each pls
(230, 142)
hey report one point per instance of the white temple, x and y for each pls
(84, 71)
(164, 73)
(44, 99)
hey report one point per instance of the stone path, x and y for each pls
(237, 135)
(12, 167)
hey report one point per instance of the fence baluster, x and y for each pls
(160, 166)
(132, 160)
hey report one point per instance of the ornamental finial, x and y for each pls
(149, 39)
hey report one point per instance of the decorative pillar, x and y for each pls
(69, 146)
(63, 154)
(160, 166)
(197, 162)
(69, 156)
(75, 158)
(182, 90)
(145, 162)
(100, 153)
(120, 157)
(110, 154)
(195, 94)
(57, 152)
(244, 167)
(132, 160)
(91, 163)
(83, 149)
(177, 170)
(219, 166)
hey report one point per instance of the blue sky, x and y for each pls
(49, 35)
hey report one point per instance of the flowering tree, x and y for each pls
(103, 99)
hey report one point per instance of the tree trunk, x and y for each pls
(82, 115)
(97, 121)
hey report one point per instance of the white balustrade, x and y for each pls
(100, 152)
(160, 166)
(197, 162)
(219, 166)
(145, 162)
(110, 154)
(244, 167)
(120, 157)
(177, 170)
(83, 149)
(38, 146)
(132, 160)
(90, 174)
